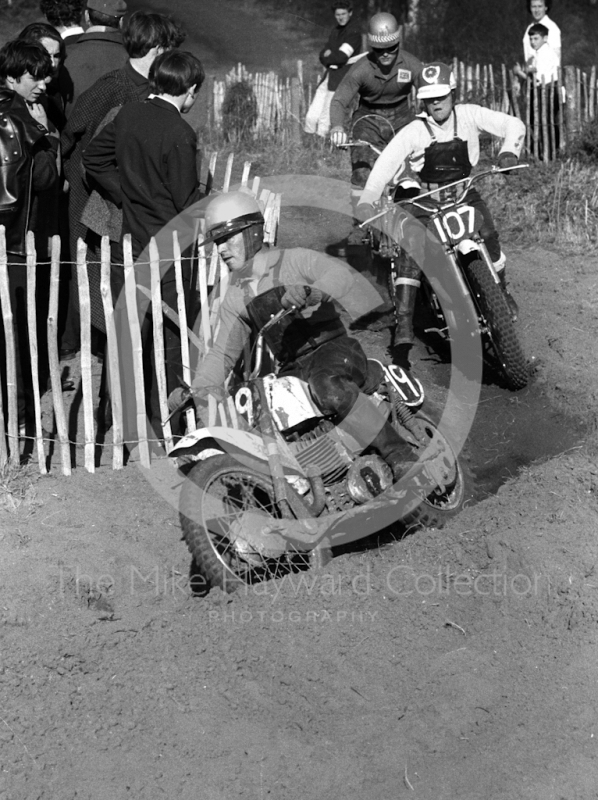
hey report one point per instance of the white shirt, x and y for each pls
(554, 38)
(74, 30)
(411, 141)
(546, 62)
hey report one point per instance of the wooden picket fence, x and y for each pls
(212, 283)
(283, 102)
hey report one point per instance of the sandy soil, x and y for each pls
(453, 663)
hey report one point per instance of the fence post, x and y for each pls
(86, 378)
(571, 106)
(11, 354)
(33, 347)
(57, 398)
(295, 110)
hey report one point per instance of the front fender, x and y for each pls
(230, 440)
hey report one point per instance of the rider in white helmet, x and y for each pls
(382, 82)
(441, 145)
(310, 343)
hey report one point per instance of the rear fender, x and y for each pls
(202, 443)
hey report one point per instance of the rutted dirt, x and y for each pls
(460, 662)
(455, 663)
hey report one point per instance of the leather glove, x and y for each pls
(338, 137)
(365, 211)
(301, 296)
(178, 398)
(506, 160)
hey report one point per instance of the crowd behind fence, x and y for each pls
(561, 109)
(211, 283)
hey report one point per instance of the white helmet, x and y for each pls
(435, 80)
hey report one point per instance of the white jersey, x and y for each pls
(411, 141)
(554, 38)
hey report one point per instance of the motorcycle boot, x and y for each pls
(500, 267)
(405, 293)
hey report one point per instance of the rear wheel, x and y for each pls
(494, 309)
(440, 466)
(224, 507)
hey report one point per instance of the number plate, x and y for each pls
(458, 223)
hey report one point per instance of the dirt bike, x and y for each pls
(456, 225)
(280, 490)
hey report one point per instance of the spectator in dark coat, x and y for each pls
(28, 157)
(145, 159)
(145, 36)
(100, 49)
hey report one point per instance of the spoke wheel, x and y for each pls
(218, 498)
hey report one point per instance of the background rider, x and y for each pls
(382, 81)
(442, 145)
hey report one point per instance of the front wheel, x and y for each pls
(494, 309)
(224, 507)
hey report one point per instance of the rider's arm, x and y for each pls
(346, 92)
(504, 126)
(233, 332)
(338, 54)
(307, 267)
(409, 141)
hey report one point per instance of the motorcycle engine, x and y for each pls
(368, 477)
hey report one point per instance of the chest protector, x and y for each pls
(295, 335)
(445, 162)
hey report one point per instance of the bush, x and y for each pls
(585, 145)
(239, 112)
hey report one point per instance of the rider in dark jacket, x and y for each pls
(311, 343)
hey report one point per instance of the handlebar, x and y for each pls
(468, 182)
(359, 143)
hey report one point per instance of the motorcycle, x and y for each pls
(277, 492)
(456, 225)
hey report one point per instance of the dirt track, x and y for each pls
(459, 663)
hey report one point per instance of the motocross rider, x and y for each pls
(310, 343)
(442, 145)
(383, 81)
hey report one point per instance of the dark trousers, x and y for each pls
(339, 377)
(377, 126)
(17, 284)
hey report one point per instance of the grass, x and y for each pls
(553, 204)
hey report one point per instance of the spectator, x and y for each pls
(50, 39)
(29, 167)
(543, 69)
(382, 82)
(100, 49)
(145, 159)
(65, 16)
(340, 51)
(145, 37)
(539, 10)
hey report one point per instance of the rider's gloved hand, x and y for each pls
(507, 160)
(365, 211)
(298, 296)
(178, 398)
(338, 137)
